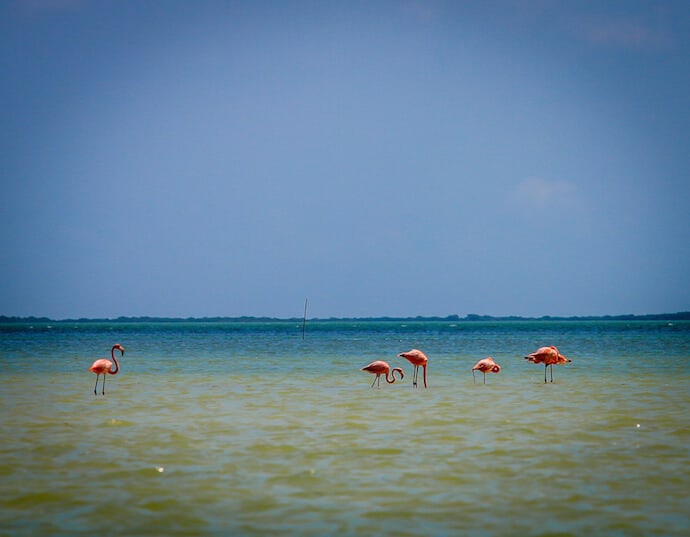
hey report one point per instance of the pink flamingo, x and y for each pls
(378, 368)
(487, 365)
(416, 358)
(549, 356)
(104, 366)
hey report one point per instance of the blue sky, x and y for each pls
(173, 158)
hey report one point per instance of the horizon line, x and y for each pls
(682, 315)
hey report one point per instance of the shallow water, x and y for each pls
(246, 429)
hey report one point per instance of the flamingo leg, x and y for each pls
(96, 386)
(484, 377)
(375, 379)
(104, 375)
(473, 379)
(551, 372)
(414, 378)
(545, 368)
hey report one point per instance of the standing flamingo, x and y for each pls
(416, 358)
(378, 368)
(549, 356)
(487, 365)
(104, 366)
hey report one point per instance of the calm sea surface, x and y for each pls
(246, 429)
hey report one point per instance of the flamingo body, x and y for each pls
(378, 368)
(417, 358)
(104, 367)
(549, 356)
(486, 365)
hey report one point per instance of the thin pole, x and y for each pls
(304, 319)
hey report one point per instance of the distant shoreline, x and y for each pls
(680, 316)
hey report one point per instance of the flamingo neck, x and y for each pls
(117, 366)
(392, 379)
(424, 367)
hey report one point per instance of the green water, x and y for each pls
(231, 429)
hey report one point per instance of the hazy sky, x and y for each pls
(176, 158)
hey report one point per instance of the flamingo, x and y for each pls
(416, 358)
(549, 356)
(378, 368)
(104, 366)
(487, 365)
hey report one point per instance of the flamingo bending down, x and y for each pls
(549, 356)
(487, 365)
(416, 358)
(378, 368)
(104, 366)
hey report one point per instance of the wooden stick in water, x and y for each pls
(304, 319)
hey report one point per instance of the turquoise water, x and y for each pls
(246, 429)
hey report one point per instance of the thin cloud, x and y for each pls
(423, 11)
(540, 193)
(32, 7)
(623, 32)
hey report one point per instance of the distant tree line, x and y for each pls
(680, 316)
